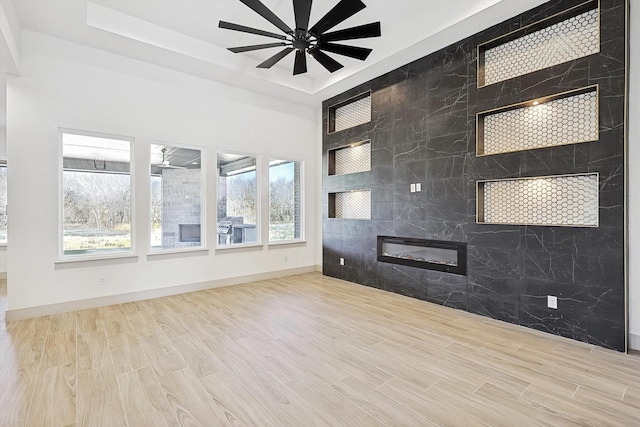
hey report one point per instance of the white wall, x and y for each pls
(3, 156)
(9, 38)
(634, 178)
(66, 85)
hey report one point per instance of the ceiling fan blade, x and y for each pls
(242, 28)
(302, 11)
(327, 62)
(360, 32)
(266, 13)
(343, 10)
(300, 66)
(360, 53)
(275, 58)
(255, 47)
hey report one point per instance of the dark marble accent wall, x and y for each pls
(423, 130)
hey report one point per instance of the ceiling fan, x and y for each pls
(314, 40)
(165, 162)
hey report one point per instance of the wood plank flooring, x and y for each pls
(302, 351)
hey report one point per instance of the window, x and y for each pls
(176, 197)
(237, 199)
(3, 203)
(284, 200)
(96, 194)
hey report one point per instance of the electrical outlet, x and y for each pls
(418, 187)
(341, 261)
(413, 188)
(286, 258)
(102, 280)
(552, 302)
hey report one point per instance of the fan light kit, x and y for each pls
(314, 40)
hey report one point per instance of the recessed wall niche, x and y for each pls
(571, 34)
(350, 204)
(560, 119)
(350, 113)
(353, 158)
(561, 200)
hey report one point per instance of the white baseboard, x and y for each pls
(634, 342)
(47, 310)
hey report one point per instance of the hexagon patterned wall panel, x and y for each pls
(558, 120)
(352, 114)
(351, 159)
(563, 200)
(352, 205)
(561, 42)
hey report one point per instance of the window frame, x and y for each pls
(203, 201)
(258, 173)
(105, 255)
(301, 202)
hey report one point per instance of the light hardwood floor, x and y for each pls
(303, 351)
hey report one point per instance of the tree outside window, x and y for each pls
(96, 186)
(284, 200)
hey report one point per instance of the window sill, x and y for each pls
(239, 247)
(176, 253)
(282, 243)
(96, 260)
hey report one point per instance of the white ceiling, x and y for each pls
(184, 34)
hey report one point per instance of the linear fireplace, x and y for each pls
(439, 255)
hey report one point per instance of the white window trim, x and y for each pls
(62, 258)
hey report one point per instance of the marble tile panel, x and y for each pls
(332, 270)
(555, 322)
(446, 230)
(494, 262)
(499, 308)
(408, 281)
(380, 228)
(356, 181)
(572, 299)
(382, 210)
(559, 78)
(494, 236)
(562, 268)
(382, 192)
(454, 210)
(606, 333)
(458, 144)
(560, 240)
(448, 294)
(606, 272)
(450, 167)
(409, 171)
(605, 303)
(560, 160)
(445, 189)
(355, 275)
(607, 242)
